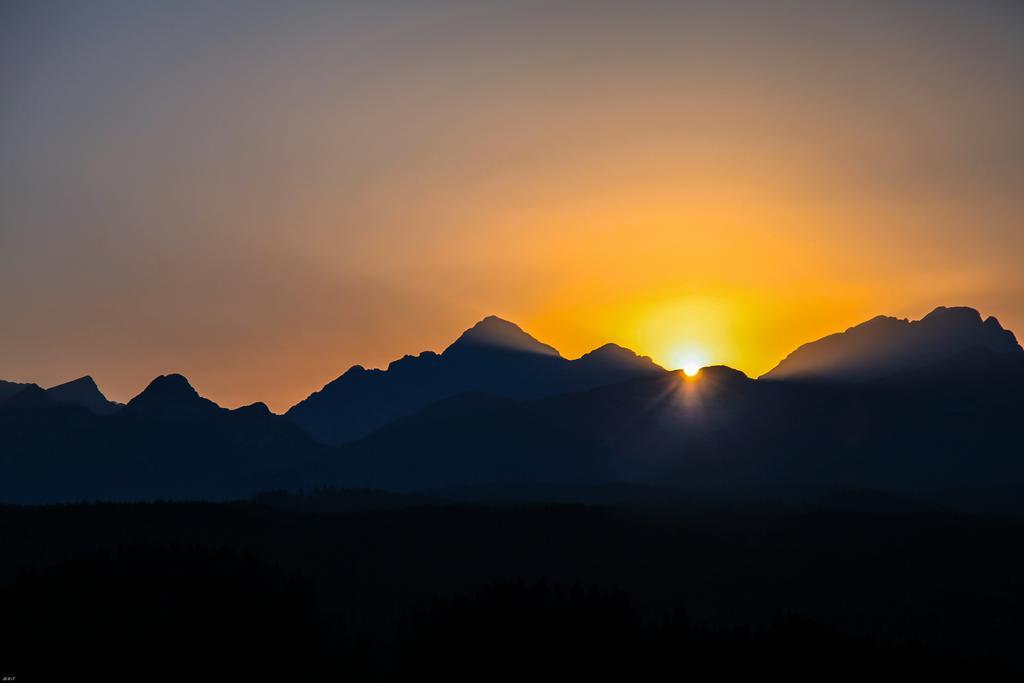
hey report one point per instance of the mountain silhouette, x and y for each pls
(494, 334)
(29, 395)
(885, 346)
(494, 357)
(720, 432)
(8, 389)
(172, 397)
(615, 363)
(168, 442)
(731, 497)
(84, 392)
(499, 408)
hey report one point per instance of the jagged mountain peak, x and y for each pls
(494, 333)
(85, 381)
(615, 353)
(408, 361)
(953, 315)
(30, 395)
(171, 396)
(494, 357)
(884, 346)
(173, 384)
(8, 389)
(257, 408)
(84, 392)
(723, 373)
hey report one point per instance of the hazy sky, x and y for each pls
(261, 194)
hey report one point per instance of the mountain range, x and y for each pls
(81, 392)
(920, 407)
(493, 357)
(886, 346)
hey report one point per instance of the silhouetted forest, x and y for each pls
(293, 591)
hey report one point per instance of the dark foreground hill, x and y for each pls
(809, 593)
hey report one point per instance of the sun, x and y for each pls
(690, 359)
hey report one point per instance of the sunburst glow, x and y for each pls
(689, 359)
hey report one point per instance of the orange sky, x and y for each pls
(260, 198)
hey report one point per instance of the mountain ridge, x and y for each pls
(494, 356)
(949, 424)
(84, 392)
(496, 333)
(885, 345)
(171, 397)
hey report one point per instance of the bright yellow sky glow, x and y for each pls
(259, 199)
(691, 369)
